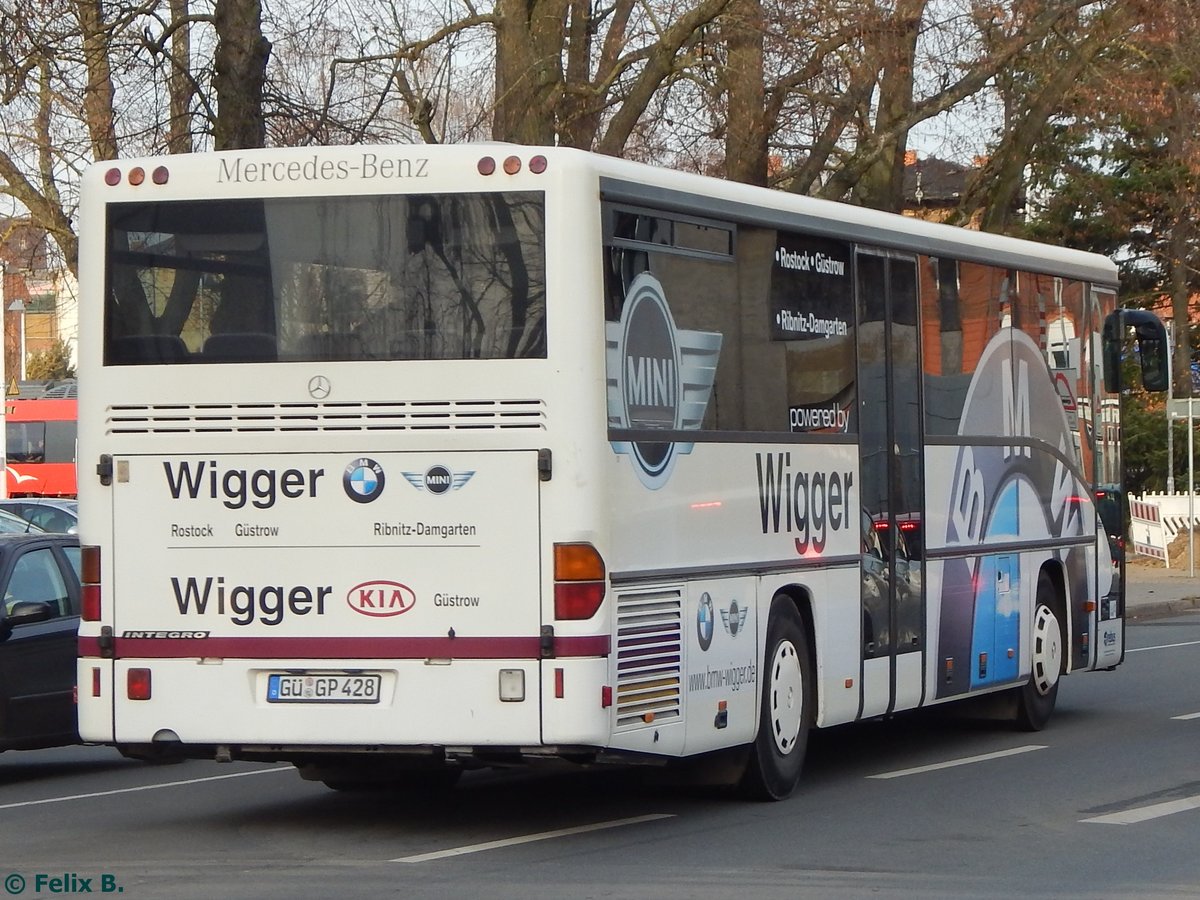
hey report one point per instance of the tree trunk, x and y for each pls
(529, 77)
(180, 84)
(882, 184)
(745, 126)
(240, 69)
(98, 95)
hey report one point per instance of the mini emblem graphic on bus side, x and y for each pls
(319, 387)
(705, 621)
(363, 480)
(659, 379)
(437, 479)
(381, 598)
(734, 618)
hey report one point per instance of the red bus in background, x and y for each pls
(40, 447)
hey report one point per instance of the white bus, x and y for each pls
(396, 461)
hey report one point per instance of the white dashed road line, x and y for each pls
(965, 761)
(1145, 813)
(530, 838)
(145, 787)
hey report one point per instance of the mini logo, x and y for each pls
(380, 599)
(363, 480)
(319, 387)
(734, 618)
(659, 380)
(438, 479)
(705, 621)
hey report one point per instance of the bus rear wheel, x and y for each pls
(785, 715)
(1035, 700)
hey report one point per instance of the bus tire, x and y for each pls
(1035, 700)
(786, 710)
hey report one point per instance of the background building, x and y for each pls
(39, 297)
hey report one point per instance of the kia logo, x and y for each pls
(381, 598)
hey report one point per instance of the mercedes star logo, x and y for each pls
(319, 387)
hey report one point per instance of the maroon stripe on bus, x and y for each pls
(347, 647)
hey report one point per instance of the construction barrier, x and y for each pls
(1146, 530)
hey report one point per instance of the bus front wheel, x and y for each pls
(785, 716)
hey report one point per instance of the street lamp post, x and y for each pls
(18, 306)
(1175, 412)
(1170, 419)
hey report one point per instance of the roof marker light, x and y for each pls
(486, 165)
(512, 165)
(161, 175)
(537, 165)
(112, 177)
(137, 175)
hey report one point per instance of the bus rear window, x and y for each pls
(450, 276)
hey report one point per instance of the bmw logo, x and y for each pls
(705, 621)
(363, 480)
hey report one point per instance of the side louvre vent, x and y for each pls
(649, 658)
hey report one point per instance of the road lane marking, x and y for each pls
(965, 761)
(1162, 647)
(1184, 718)
(146, 787)
(1145, 813)
(530, 838)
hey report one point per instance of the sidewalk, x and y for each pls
(1153, 591)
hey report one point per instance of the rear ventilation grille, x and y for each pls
(649, 658)
(434, 415)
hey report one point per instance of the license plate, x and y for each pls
(323, 688)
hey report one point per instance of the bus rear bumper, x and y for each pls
(359, 705)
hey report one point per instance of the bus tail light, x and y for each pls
(579, 581)
(137, 684)
(89, 576)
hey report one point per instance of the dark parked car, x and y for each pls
(39, 619)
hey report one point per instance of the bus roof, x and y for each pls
(413, 168)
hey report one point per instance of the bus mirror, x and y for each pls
(1153, 350)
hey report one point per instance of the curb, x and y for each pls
(1160, 609)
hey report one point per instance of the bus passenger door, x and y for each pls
(892, 483)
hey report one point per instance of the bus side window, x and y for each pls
(25, 442)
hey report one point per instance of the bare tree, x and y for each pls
(815, 96)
